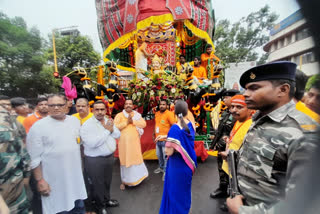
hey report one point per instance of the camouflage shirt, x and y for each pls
(14, 164)
(273, 155)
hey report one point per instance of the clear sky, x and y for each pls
(47, 15)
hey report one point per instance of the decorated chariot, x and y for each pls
(142, 42)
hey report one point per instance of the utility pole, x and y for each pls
(56, 73)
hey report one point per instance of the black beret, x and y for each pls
(230, 92)
(17, 101)
(270, 71)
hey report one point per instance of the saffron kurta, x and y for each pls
(204, 63)
(53, 144)
(200, 72)
(132, 168)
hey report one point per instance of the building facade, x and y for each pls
(291, 40)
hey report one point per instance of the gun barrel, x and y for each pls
(233, 182)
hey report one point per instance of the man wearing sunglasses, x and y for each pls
(53, 144)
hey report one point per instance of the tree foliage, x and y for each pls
(21, 60)
(73, 51)
(238, 42)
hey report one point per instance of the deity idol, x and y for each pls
(156, 65)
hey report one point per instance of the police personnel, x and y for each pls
(226, 123)
(279, 142)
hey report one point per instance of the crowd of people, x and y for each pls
(65, 154)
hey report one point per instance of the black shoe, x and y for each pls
(112, 203)
(219, 193)
(224, 207)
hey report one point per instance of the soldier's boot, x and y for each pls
(221, 192)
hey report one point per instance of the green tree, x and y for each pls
(238, 42)
(73, 51)
(22, 68)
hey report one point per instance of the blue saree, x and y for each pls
(176, 198)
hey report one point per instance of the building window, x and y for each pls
(296, 59)
(273, 47)
(308, 57)
(305, 58)
(280, 43)
(302, 34)
(289, 39)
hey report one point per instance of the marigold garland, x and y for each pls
(197, 112)
(110, 105)
(196, 108)
(85, 78)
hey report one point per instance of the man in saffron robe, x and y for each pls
(206, 57)
(242, 114)
(132, 168)
(198, 70)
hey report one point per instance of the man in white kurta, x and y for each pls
(53, 144)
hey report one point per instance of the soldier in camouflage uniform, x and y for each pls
(14, 165)
(278, 144)
(226, 123)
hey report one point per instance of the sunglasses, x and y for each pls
(56, 105)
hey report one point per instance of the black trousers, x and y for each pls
(36, 205)
(99, 171)
(223, 177)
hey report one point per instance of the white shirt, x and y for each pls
(53, 144)
(98, 141)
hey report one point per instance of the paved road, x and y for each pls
(146, 198)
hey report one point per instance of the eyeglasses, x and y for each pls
(56, 105)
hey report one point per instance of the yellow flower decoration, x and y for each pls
(197, 112)
(196, 108)
(111, 105)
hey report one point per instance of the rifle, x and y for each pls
(219, 132)
(233, 189)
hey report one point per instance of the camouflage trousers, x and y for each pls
(19, 204)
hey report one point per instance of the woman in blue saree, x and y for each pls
(176, 198)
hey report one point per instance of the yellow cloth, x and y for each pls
(200, 72)
(300, 106)
(179, 68)
(183, 76)
(82, 120)
(237, 139)
(20, 119)
(129, 142)
(214, 115)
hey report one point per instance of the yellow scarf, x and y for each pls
(237, 139)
